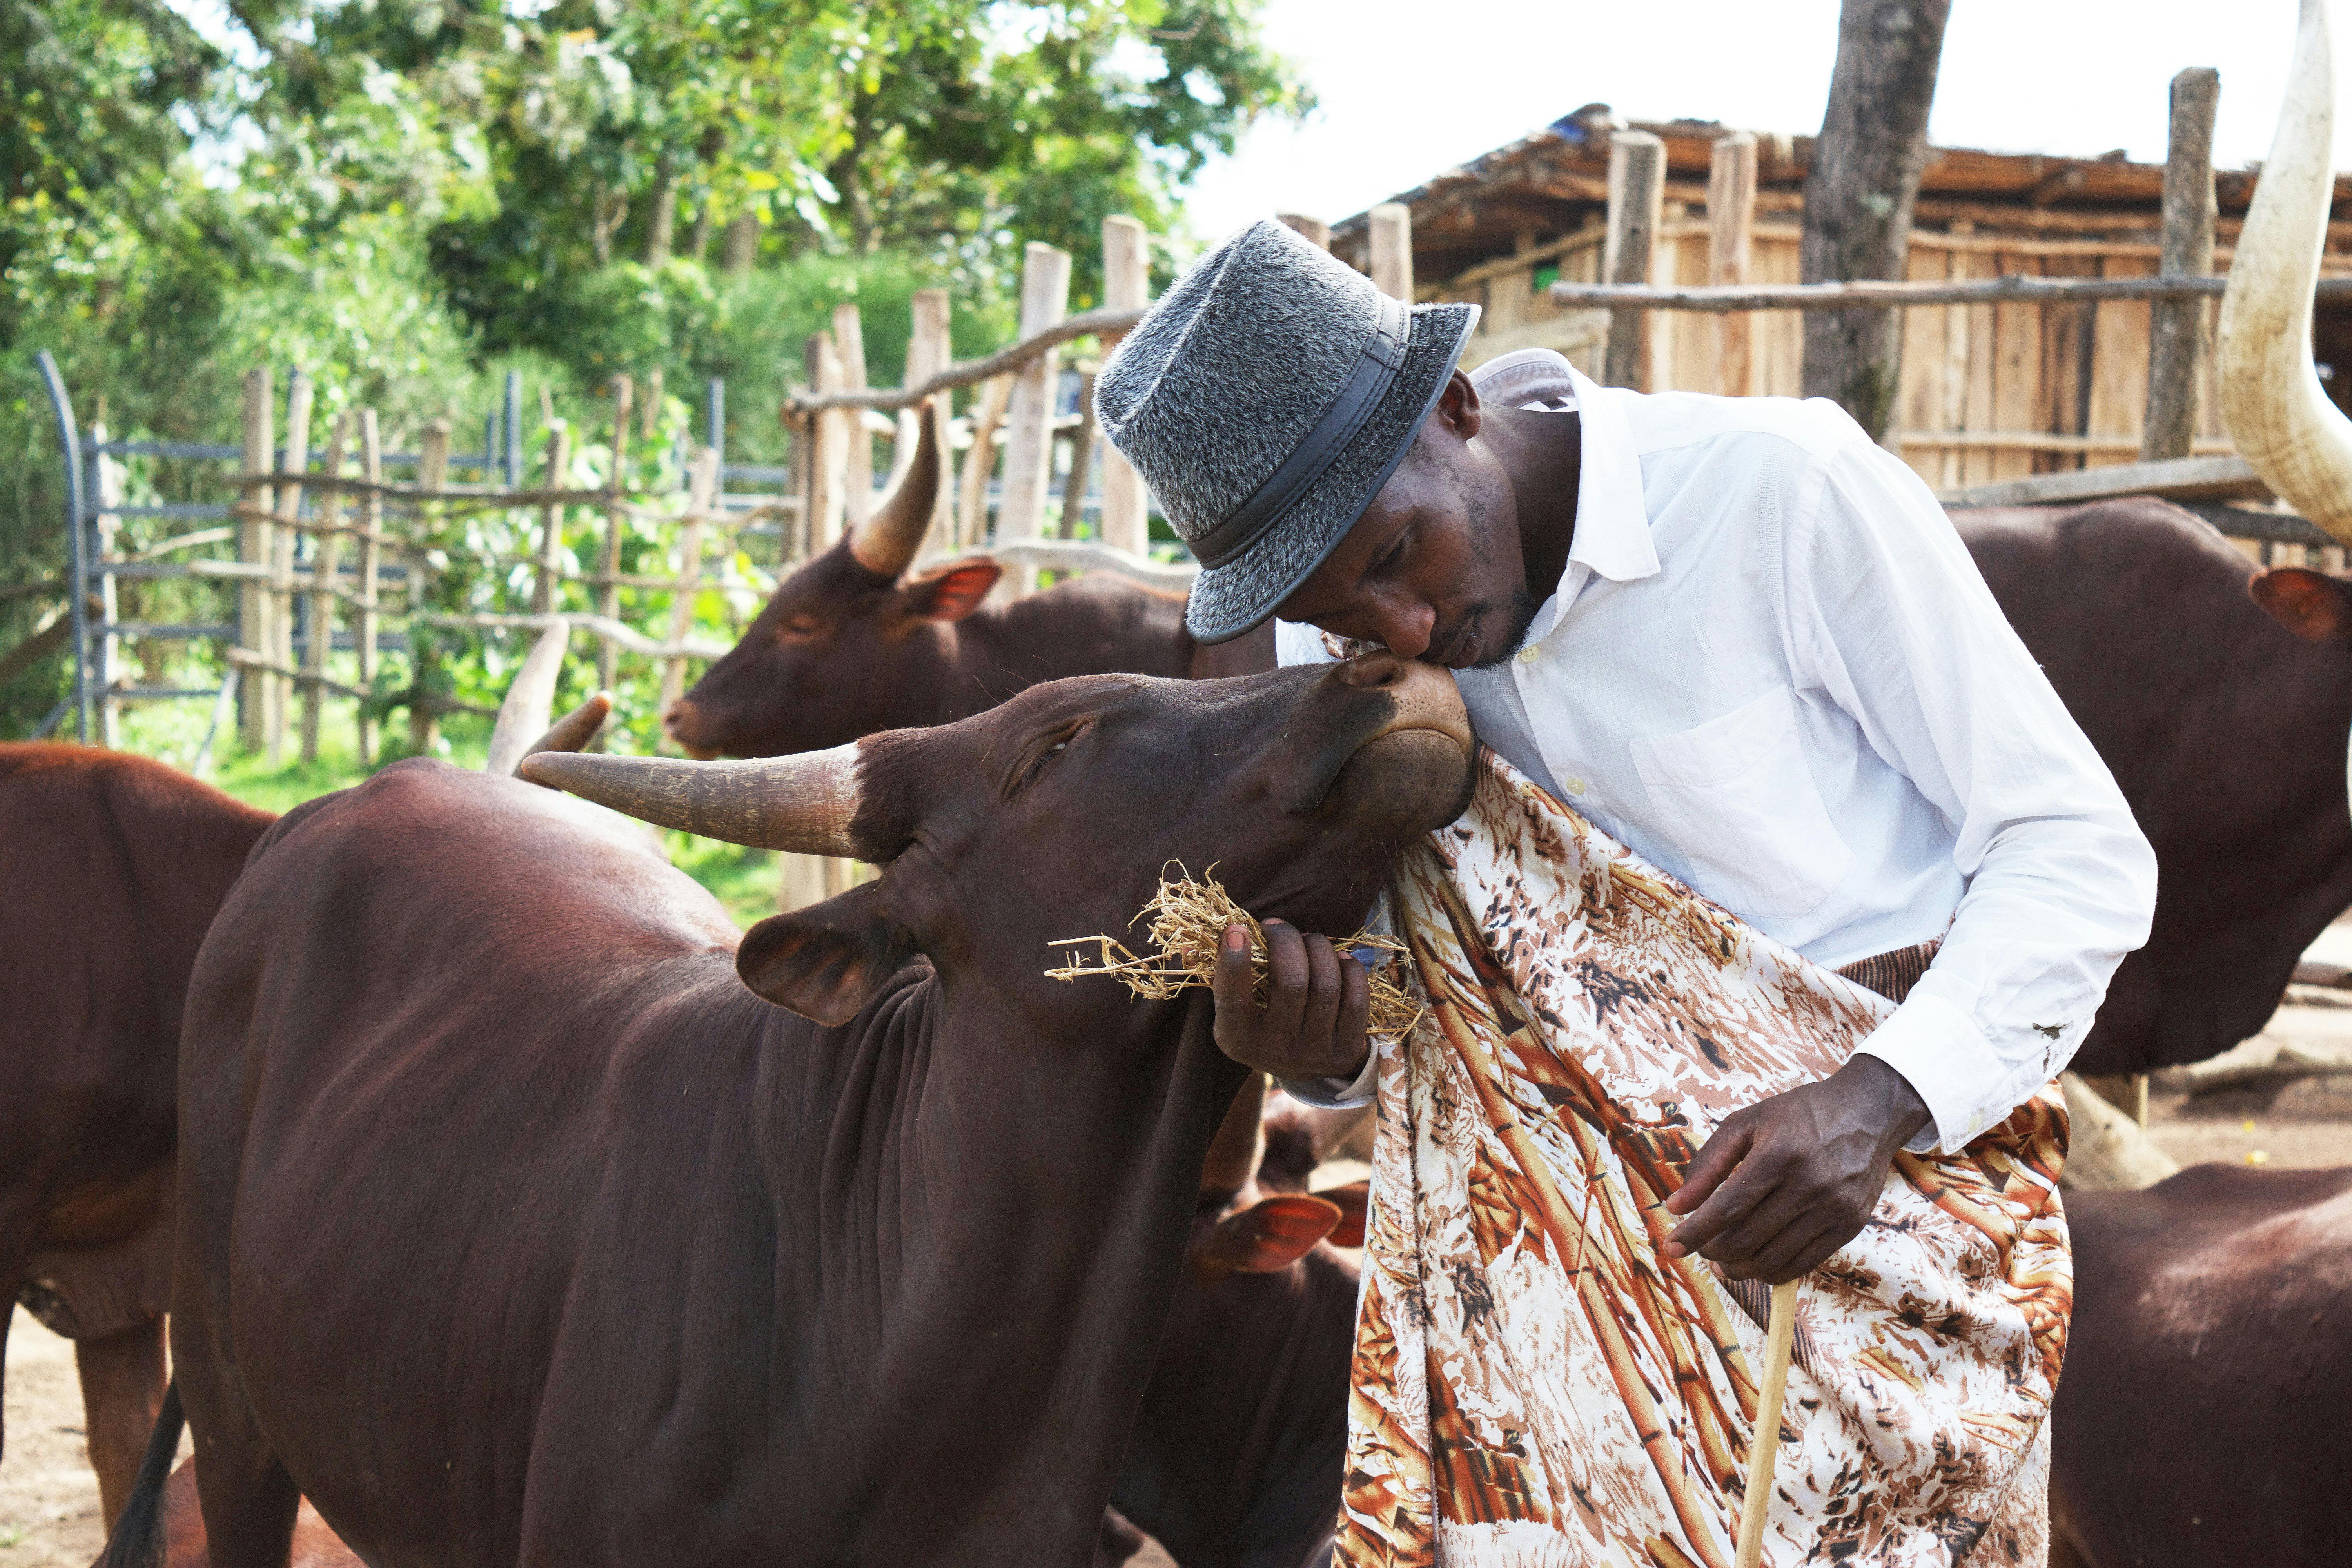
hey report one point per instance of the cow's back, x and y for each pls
(111, 867)
(2227, 734)
(2200, 1418)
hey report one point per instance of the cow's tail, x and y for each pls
(137, 1540)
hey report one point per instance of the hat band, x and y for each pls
(1383, 355)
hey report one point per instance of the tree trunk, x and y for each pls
(661, 219)
(1859, 194)
(698, 238)
(742, 246)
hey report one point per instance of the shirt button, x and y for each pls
(1527, 654)
(1574, 785)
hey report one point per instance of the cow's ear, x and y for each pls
(827, 961)
(1273, 1233)
(1352, 1199)
(2311, 605)
(952, 592)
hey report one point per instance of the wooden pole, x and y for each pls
(1637, 191)
(1029, 446)
(1317, 232)
(2177, 340)
(325, 561)
(364, 604)
(253, 530)
(424, 720)
(299, 392)
(106, 477)
(1391, 247)
(702, 492)
(549, 576)
(1764, 1442)
(1082, 449)
(928, 353)
(857, 472)
(1730, 231)
(1127, 285)
(608, 593)
(971, 521)
(829, 497)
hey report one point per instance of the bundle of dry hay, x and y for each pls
(1188, 920)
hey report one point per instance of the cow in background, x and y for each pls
(654, 1269)
(851, 644)
(1235, 1458)
(112, 867)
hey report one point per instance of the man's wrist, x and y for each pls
(1904, 1113)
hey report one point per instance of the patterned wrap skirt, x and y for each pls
(1536, 1383)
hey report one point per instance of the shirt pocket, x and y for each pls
(1737, 804)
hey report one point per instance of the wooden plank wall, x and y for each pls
(1987, 392)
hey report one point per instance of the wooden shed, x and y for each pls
(1989, 392)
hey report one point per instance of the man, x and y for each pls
(1734, 635)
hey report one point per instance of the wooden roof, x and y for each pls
(1547, 184)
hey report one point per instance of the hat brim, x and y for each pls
(1241, 595)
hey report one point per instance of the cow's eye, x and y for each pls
(1043, 753)
(802, 626)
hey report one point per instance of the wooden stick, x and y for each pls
(253, 549)
(1127, 285)
(1029, 446)
(299, 392)
(1314, 230)
(971, 517)
(608, 597)
(322, 585)
(1764, 1443)
(2018, 288)
(828, 450)
(1637, 187)
(2176, 327)
(550, 523)
(1391, 247)
(432, 473)
(857, 472)
(970, 372)
(1730, 229)
(704, 481)
(363, 615)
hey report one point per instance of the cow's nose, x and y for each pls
(1373, 671)
(678, 716)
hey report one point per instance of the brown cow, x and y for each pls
(627, 1265)
(113, 866)
(2201, 1417)
(850, 644)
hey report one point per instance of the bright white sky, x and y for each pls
(1411, 89)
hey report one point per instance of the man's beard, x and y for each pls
(1524, 602)
(1524, 606)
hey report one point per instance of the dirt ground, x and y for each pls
(49, 1499)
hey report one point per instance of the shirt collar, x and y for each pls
(1613, 525)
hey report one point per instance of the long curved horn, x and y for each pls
(530, 701)
(1240, 1143)
(2272, 401)
(887, 542)
(803, 803)
(575, 731)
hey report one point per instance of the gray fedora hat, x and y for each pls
(1266, 399)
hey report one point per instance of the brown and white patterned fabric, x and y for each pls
(1536, 1383)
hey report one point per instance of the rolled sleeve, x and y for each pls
(1337, 1093)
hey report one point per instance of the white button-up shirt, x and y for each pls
(1771, 668)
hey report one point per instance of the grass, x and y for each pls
(743, 880)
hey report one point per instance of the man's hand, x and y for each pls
(1317, 1004)
(1790, 1180)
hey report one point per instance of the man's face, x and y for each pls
(1434, 569)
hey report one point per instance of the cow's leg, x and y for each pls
(122, 1380)
(249, 1500)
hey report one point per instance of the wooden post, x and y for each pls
(1029, 449)
(857, 472)
(1127, 285)
(653, 409)
(424, 722)
(548, 579)
(1391, 248)
(1317, 232)
(326, 557)
(106, 477)
(1637, 192)
(364, 604)
(2176, 329)
(253, 628)
(828, 487)
(928, 353)
(281, 559)
(1730, 229)
(971, 522)
(1082, 449)
(701, 499)
(608, 592)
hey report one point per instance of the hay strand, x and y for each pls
(1188, 920)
